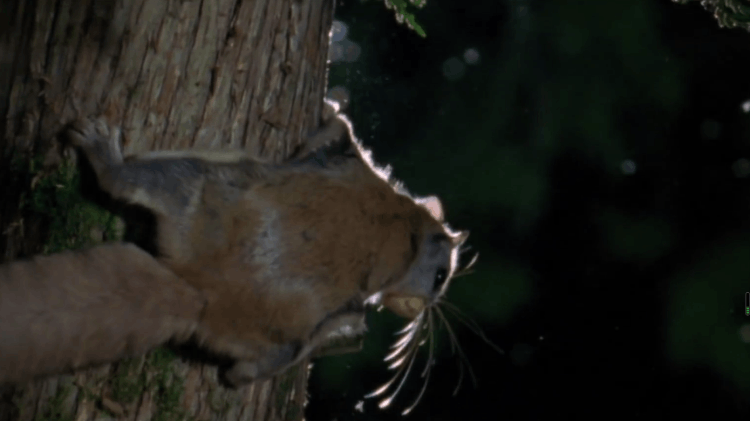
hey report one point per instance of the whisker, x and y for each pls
(405, 349)
(458, 311)
(466, 270)
(410, 325)
(453, 345)
(459, 361)
(398, 362)
(405, 338)
(428, 367)
(464, 249)
(462, 272)
(382, 389)
(410, 347)
(379, 391)
(397, 352)
(462, 317)
(403, 344)
(458, 345)
(471, 324)
(472, 262)
(431, 336)
(387, 401)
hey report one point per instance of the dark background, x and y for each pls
(597, 151)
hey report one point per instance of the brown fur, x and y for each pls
(332, 256)
(81, 308)
(284, 255)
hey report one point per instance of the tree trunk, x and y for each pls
(173, 74)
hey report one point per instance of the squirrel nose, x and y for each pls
(405, 306)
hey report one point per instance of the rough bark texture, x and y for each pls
(173, 74)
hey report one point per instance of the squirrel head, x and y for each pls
(435, 249)
(417, 258)
(418, 296)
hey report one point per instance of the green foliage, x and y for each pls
(284, 388)
(157, 376)
(165, 385)
(490, 140)
(127, 384)
(56, 410)
(729, 13)
(404, 15)
(702, 318)
(55, 197)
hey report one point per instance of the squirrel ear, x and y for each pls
(433, 205)
(460, 237)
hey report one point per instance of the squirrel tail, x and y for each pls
(86, 307)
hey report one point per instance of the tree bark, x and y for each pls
(173, 74)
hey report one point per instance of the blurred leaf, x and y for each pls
(704, 317)
(404, 15)
(628, 238)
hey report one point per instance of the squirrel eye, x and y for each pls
(440, 277)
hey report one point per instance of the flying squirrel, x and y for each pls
(257, 261)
